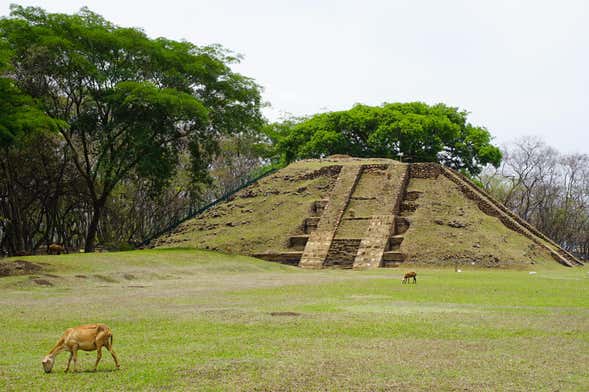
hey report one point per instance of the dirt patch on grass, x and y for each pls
(18, 267)
(42, 282)
(291, 314)
(106, 278)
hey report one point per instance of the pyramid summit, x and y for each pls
(361, 213)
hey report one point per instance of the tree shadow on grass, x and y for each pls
(85, 371)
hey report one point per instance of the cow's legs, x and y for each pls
(114, 356)
(75, 355)
(69, 361)
(98, 356)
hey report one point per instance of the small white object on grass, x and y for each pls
(458, 270)
(532, 272)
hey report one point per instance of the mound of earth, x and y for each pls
(346, 212)
(18, 267)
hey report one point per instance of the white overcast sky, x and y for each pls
(520, 67)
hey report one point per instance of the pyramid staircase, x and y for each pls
(356, 227)
(363, 221)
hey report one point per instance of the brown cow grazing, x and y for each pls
(85, 337)
(55, 249)
(408, 276)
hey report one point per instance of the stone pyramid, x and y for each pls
(344, 212)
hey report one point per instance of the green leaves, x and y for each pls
(154, 121)
(421, 132)
(132, 104)
(120, 90)
(19, 116)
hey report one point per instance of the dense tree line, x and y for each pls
(547, 188)
(100, 122)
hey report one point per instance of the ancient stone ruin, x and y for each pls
(368, 213)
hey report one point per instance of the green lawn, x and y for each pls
(191, 320)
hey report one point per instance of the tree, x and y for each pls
(548, 189)
(422, 133)
(21, 121)
(131, 103)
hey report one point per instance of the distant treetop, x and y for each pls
(420, 132)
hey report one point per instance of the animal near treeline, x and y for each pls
(55, 249)
(408, 276)
(84, 337)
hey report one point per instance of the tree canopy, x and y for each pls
(422, 133)
(19, 114)
(129, 103)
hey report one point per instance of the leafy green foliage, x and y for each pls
(422, 133)
(132, 104)
(19, 115)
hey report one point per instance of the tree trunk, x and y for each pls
(98, 208)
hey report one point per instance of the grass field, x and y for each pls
(191, 320)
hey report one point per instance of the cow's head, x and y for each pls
(48, 362)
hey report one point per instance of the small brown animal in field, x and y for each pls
(55, 249)
(408, 276)
(85, 337)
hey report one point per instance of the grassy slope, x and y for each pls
(482, 240)
(201, 322)
(247, 225)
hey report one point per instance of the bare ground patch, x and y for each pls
(285, 314)
(18, 267)
(105, 278)
(42, 282)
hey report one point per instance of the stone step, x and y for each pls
(342, 252)
(408, 207)
(413, 195)
(382, 224)
(394, 256)
(318, 206)
(311, 224)
(290, 258)
(298, 241)
(394, 242)
(320, 239)
(401, 225)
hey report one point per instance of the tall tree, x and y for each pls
(422, 133)
(547, 188)
(130, 103)
(20, 121)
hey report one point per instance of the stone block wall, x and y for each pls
(424, 170)
(375, 241)
(382, 226)
(319, 242)
(342, 253)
